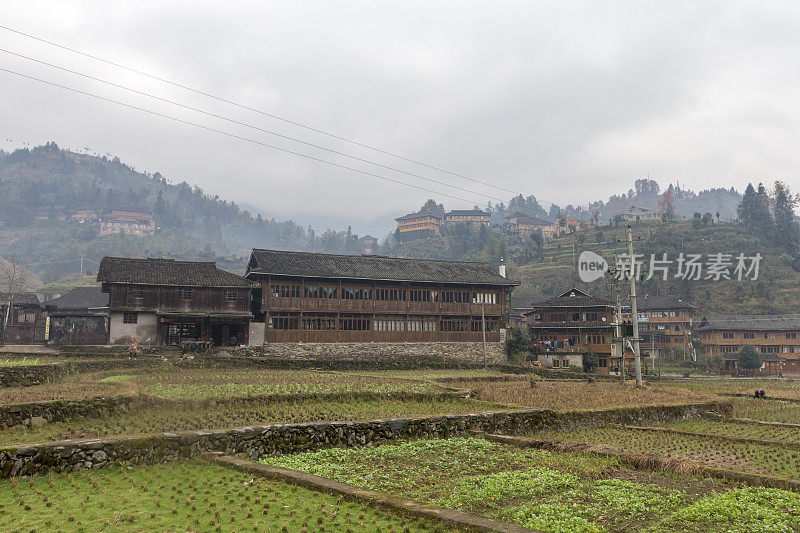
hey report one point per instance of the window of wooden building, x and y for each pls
(458, 297)
(284, 321)
(387, 323)
(749, 335)
(321, 322)
(454, 324)
(727, 335)
(231, 294)
(791, 335)
(285, 291)
(130, 318)
(420, 295)
(356, 293)
(397, 295)
(136, 292)
(354, 323)
(185, 294)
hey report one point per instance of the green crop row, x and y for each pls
(550, 491)
(189, 496)
(237, 413)
(768, 459)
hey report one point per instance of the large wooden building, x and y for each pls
(166, 302)
(665, 325)
(574, 322)
(324, 298)
(470, 216)
(770, 335)
(419, 225)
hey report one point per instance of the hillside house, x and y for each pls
(366, 244)
(635, 214)
(129, 222)
(522, 226)
(470, 216)
(167, 302)
(419, 226)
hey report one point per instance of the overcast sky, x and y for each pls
(569, 101)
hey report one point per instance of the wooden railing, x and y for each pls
(379, 306)
(299, 335)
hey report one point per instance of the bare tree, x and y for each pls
(13, 280)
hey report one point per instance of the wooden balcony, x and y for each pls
(380, 307)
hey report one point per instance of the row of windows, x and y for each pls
(383, 294)
(183, 293)
(291, 322)
(575, 317)
(752, 335)
(769, 348)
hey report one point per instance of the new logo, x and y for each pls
(591, 266)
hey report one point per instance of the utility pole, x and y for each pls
(616, 276)
(619, 342)
(483, 327)
(634, 313)
(82, 257)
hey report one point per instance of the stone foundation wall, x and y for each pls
(28, 375)
(278, 439)
(466, 352)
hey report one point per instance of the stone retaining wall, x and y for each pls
(469, 352)
(27, 414)
(277, 439)
(28, 375)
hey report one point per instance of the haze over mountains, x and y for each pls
(41, 187)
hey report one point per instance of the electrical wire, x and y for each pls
(256, 110)
(234, 121)
(235, 136)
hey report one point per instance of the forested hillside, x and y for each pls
(39, 188)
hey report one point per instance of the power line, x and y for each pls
(255, 110)
(235, 136)
(234, 121)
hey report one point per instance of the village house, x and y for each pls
(773, 336)
(129, 222)
(574, 323)
(366, 244)
(522, 226)
(25, 324)
(635, 213)
(419, 226)
(665, 325)
(471, 216)
(325, 298)
(168, 302)
(79, 317)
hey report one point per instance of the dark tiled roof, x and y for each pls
(24, 298)
(573, 298)
(421, 214)
(371, 267)
(658, 303)
(81, 298)
(467, 212)
(167, 272)
(751, 322)
(528, 219)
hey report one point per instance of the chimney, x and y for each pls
(502, 268)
